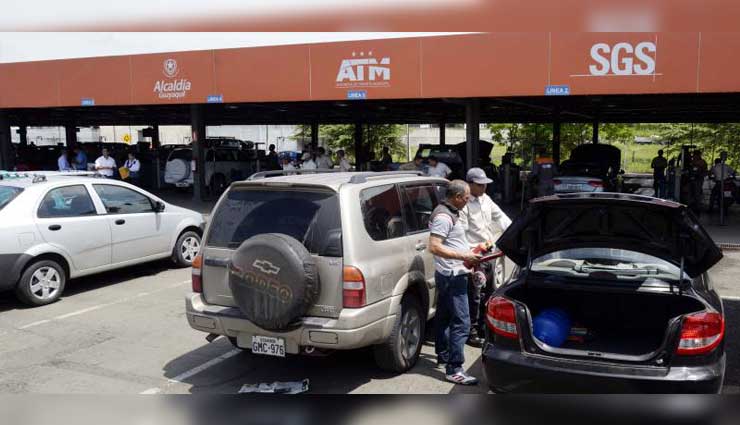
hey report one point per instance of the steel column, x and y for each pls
(472, 132)
(198, 126)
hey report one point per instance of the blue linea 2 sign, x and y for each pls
(356, 94)
(215, 98)
(560, 90)
(87, 102)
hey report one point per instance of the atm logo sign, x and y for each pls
(364, 70)
(623, 59)
(170, 87)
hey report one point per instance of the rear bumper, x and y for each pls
(11, 266)
(512, 371)
(355, 328)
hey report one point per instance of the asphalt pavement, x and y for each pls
(125, 332)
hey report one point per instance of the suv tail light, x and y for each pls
(353, 288)
(196, 274)
(556, 181)
(700, 333)
(595, 183)
(501, 317)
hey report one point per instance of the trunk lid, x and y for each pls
(656, 227)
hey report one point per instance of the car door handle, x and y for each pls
(55, 227)
(421, 246)
(120, 222)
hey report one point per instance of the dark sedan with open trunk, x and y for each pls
(610, 294)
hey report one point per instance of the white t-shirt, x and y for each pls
(717, 171)
(308, 165)
(344, 165)
(440, 170)
(103, 162)
(324, 162)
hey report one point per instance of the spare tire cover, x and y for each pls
(176, 170)
(273, 279)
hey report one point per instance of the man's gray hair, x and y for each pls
(455, 188)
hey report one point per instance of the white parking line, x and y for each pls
(194, 371)
(100, 306)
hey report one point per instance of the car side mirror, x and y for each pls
(159, 207)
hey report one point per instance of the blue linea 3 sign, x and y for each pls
(560, 90)
(215, 98)
(356, 94)
(87, 102)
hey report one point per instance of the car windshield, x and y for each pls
(7, 194)
(606, 263)
(310, 216)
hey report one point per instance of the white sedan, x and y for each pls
(59, 226)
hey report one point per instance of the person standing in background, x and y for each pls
(659, 166)
(134, 169)
(63, 162)
(273, 162)
(80, 161)
(437, 168)
(344, 165)
(105, 165)
(323, 161)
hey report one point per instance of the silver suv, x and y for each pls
(310, 263)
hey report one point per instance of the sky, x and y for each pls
(34, 46)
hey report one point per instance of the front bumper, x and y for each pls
(509, 370)
(355, 328)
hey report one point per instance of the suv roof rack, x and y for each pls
(362, 177)
(273, 173)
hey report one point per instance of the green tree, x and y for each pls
(342, 136)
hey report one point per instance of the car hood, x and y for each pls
(663, 229)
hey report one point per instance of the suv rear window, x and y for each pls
(311, 216)
(7, 194)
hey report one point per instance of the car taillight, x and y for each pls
(700, 333)
(353, 288)
(556, 181)
(501, 317)
(595, 183)
(196, 274)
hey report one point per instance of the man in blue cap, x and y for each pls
(484, 222)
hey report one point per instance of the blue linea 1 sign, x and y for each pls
(561, 90)
(356, 94)
(215, 98)
(87, 102)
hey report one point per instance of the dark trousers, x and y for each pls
(477, 297)
(452, 320)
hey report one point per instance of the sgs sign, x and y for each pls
(623, 59)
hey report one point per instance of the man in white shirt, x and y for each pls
(288, 166)
(484, 222)
(344, 165)
(105, 164)
(323, 161)
(308, 162)
(438, 169)
(63, 162)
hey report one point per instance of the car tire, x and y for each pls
(401, 351)
(187, 247)
(41, 283)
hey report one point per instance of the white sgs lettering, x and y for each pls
(622, 59)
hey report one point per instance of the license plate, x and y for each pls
(180, 184)
(574, 187)
(728, 194)
(268, 345)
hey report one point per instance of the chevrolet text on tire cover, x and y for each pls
(274, 280)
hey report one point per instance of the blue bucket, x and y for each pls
(552, 326)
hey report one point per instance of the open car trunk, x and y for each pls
(625, 325)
